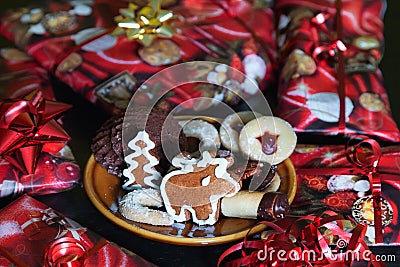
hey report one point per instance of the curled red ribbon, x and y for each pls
(65, 252)
(28, 127)
(301, 245)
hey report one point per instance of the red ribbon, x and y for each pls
(65, 252)
(335, 48)
(310, 245)
(28, 127)
(340, 67)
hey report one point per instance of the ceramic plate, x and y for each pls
(104, 190)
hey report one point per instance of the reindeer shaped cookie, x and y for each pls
(195, 190)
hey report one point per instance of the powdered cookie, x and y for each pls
(268, 139)
(231, 127)
(205, 132)
(194, 191)
(135, 206)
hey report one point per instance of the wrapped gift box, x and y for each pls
(21, 74)
(330, 82)
(74, 40)
(32, 235)
(328, 180)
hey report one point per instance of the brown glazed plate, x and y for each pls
(104, 190)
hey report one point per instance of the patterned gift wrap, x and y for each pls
(80, 43)
(345, 189)
(329, 54)
(33, 234)
(21, 74)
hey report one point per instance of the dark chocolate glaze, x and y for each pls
(273, 206)
(268, 143)
(271, 169)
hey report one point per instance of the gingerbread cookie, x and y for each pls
(196, 188)
(141, 170)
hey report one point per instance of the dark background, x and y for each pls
(84, 119)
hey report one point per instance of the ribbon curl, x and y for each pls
(300, 242)
(144, 24)
(28, 127)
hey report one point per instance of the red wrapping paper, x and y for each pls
(53, 173)
(21, 74)
(330, 82)
(320, 192)
(16, 237)
(222, 31)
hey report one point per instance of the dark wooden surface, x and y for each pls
(83, 120)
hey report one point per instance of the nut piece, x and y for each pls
(366, 42)
(298, 64)
(160, 53)
(371, 102)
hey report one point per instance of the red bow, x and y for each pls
(28, 127)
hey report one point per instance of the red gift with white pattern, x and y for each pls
(107, 69)
(31, 232)
(330, 82)
(327, 179)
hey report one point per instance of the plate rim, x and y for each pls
(189, 241)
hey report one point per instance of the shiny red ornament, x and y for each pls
(28, 127)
